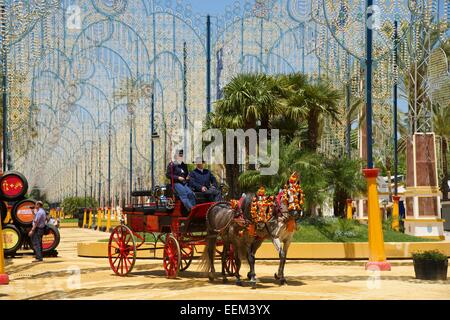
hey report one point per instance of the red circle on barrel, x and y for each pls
(48, 240)
(12, 186)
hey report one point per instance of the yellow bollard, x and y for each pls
(377, 256)
(90, 219)
(99, 219)
(4, 279)
(395, 214)
(108, 221)
(349, 209)
(84, 218)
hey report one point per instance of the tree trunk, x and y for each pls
(340, 203)
(232, 175)
(444, 182)
(313, 131)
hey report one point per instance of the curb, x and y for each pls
(297, 250)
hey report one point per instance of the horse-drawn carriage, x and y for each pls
(155, 221)
(240, 227)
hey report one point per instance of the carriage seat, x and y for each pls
(200, 197)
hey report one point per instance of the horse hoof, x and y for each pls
(276, 276)
(211, 278)
(283, 282)
(253, 284)
(239, 283)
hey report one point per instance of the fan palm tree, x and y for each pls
(311, 103)
(249, 100)
(291, 122)
(441, 122)
(345, 176)
(309, 166)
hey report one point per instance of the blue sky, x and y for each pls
(213, 7)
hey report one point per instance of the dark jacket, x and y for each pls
(176, 170)
(198, 179)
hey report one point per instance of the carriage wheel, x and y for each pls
(172, 256)
(122, 250)
(230, 261)
(187, 253)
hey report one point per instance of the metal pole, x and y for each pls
(109, 163)
(369, 13)
(131, 155)
(91, 170)
(4, 92)
(208, 64)
(153, 132)
(395, 108)
(185, 93)
(84, 165)
(76, 181)
(348, 133)
(99, 169)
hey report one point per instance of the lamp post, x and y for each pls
(130, 117)
(208, 64)
(395, 197)
(377, 256)
(4, 88)
(395, 106)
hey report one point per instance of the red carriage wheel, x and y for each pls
(187, 254)
(122, 250)
(230, 261)
(172, 256)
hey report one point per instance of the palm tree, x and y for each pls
(249, 100)
(311, 103)
(291, 122)
(441, 122)
(345, 176)
(309, 166)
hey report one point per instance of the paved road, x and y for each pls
(71, 277)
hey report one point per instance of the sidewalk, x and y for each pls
(71, 277)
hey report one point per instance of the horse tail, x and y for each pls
(205, 259)
(211, 239)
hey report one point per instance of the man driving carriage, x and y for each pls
(202, 180)
(178, 174)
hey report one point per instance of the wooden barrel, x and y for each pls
(50, 240)
(12, 239)
(22, 212)
(13, 186)
(3, 212)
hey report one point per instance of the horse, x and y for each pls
(279, 228)
(223, 219)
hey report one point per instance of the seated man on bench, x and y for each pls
(202, 180)
(178, 174)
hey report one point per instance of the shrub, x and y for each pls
(435, 255)
(344, 229)
(72, 204)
